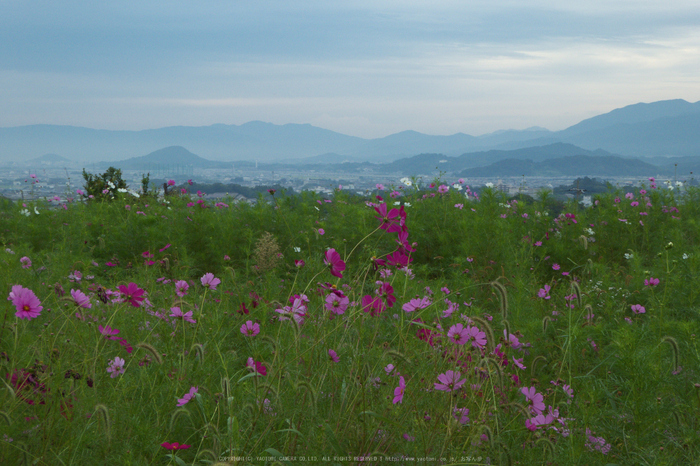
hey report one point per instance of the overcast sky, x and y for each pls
(364, 68)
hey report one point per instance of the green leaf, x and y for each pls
(277, 454)
(334, 441)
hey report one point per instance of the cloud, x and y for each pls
(364, 68)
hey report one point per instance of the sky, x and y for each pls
(363, 68)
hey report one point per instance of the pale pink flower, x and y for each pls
(188, 396)
(116, 367)
(337, 304)
(638, 309)
(461, 414)
(537, 399)
(399, 391)
(80, 299)
(26, 262)
(476, 336)
(177, 313)
(181, 287)
(250, 328)
(25, 301)
(458, 334)
(449, 381)
(210, 281)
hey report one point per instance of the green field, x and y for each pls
(445, 329)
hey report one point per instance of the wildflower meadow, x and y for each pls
(426, 323)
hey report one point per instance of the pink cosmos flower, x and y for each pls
(321, 231)
(449, 381)
(116, 367)
(188, 396)
(458, 334)
(210, 281)
(638, 309)
(519, 363)
(335, 262)
(107, 330)
(298, 263)
(380, 187)
(461, 414)
(416, 304)
(512, 339)
(442, 189)
(372, 304)
(555, 266)
(80, 299)
(177, 313)
(337, 303)
(333, 355)
(651, 281)
(544, 292)
(174, 446)
(536, 398)
(476, 336)
(181, 287)
(171, 182)
(25, 301)
(133, 294)
(250, 329)
(26, 262)
(399, 391)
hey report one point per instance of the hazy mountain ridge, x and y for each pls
(667, 128)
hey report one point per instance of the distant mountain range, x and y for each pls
(658, 129)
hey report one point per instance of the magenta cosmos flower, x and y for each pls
(250, 329)
(335, 262)
(133, 294)
(544, 292)
(25, 301)
(256, 366)
(651, 281)
(174, 446)
(399, 391)
(210, 281)
(26, 262)
(177, 313)
(188, 396)
(638, 309)
(80, 299)
(449, 381)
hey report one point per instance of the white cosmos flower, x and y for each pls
(24, 212)
(406, 181)
(489, 185)
(297, 249)
(36, 211)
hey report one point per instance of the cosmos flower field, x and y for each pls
(424, 323)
